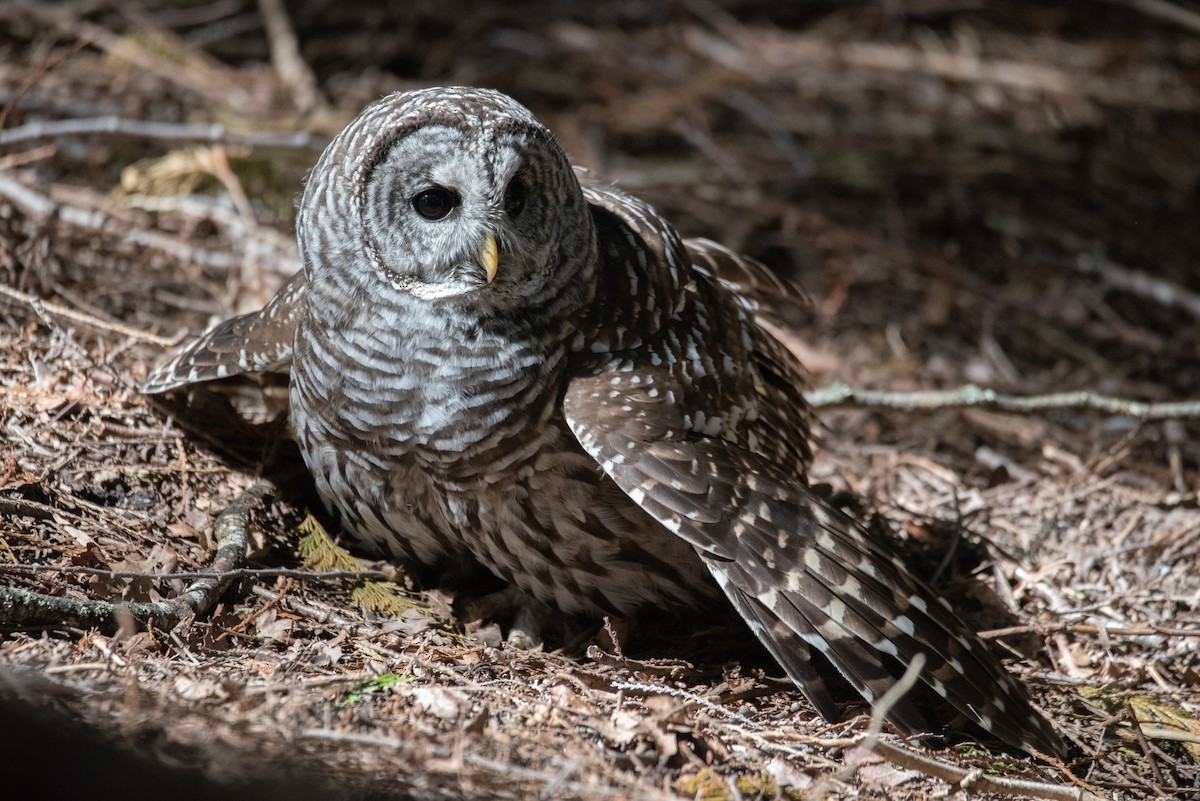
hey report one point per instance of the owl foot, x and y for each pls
(529, 616)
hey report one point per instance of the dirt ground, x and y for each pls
(1003, 194)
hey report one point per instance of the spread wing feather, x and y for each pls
(258, 342)
(804, 575)
(748, 278)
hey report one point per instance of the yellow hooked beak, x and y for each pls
(489, 257)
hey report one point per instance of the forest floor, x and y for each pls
(1003, 194)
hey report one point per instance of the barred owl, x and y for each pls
(493, 361)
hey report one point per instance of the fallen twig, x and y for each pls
(291, 68)
(972, 396)
(1084, 628)
(225, 576)
(200, 73)
(869, 741)
(212, 133)
(1166, 11)
(14, 160)
(776, 51)
(1147, 751)
(20, 607)
(651, 688)
(44, 307)
(1139, 283)
(1156, 732)
(975, 781)
(323, 615)
(963, 779)
(43, 208)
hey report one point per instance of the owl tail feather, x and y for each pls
(827, 588)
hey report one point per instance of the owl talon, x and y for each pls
(526, 631)
(529, 616)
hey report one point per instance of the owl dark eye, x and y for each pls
(514, 197)
(435, 203)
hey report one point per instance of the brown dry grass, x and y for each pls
(936, 175)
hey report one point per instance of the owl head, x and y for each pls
(452, 195)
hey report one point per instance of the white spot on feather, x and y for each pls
(837, 610)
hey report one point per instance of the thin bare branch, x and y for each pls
(1139, 283)
(212, 133)
(784, 51)
(972, 781)
(201, 75)
(43, 308)
(1147, 751)
(972, 396)
(324, 615)
(869, 741)
(1082, 628)
(20, 607)
(1174, 13)
(228, 575)
(289, 65)
(42, 207)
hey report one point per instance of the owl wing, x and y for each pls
(749, 278)
(258, 342)
(802, 574)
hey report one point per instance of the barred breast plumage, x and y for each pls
(492, 362)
